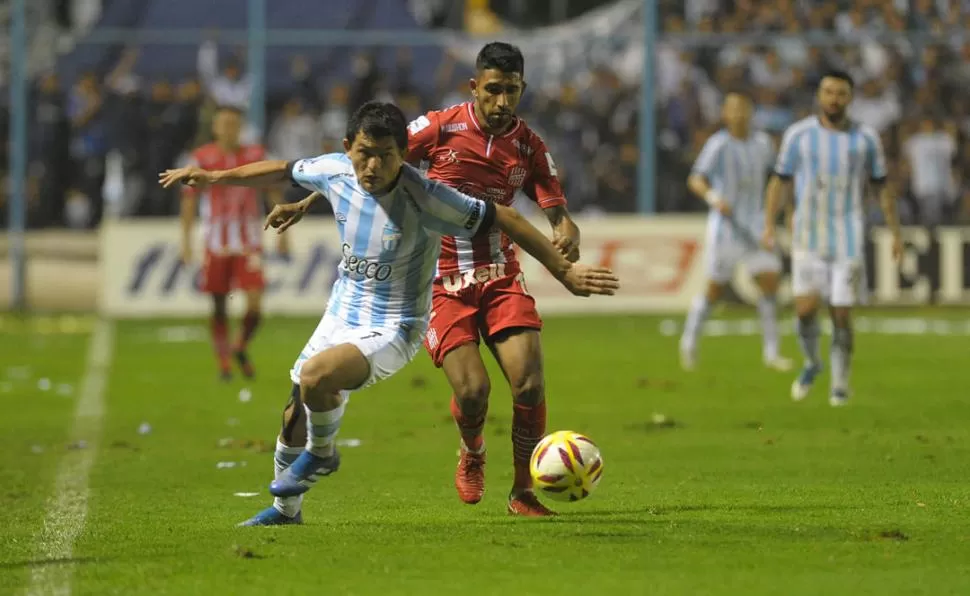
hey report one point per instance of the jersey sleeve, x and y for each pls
(875, 157)
(422, 137)
(787, 154)
(313, 173)
(446, 211)
(708, 163)
(542, 184)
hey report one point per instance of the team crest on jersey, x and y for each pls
(517, 176)
(450, 157)
(341, 218)
(390, 237)
(524, 149)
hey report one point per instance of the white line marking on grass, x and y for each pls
(68, 506)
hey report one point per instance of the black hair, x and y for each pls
(379, 120)
(501, 56)
(840, 75)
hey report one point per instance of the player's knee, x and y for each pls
(806, 306)
(841, 319)
(317, 374)
(530, 389)
(768, 283)
(714, 292)
(472, 393)
(219, 309)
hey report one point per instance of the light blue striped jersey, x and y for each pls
(830, 168)
(738, 170)
(389, 243)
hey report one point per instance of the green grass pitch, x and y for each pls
(740, 491)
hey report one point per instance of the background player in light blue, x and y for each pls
(730, 175)
(829, 158)
(390, 220)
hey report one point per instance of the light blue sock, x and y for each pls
(322, 429)
(808, 332)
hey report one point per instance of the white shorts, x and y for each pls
(839, 282)
(723, 259)
(387, 349)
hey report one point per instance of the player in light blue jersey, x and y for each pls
(830, 160)
(390, 220)
(730, 175)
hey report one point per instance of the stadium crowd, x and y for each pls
(101, 139)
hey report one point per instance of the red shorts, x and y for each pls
(480, 310)
(222, 273)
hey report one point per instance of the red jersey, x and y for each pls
(488, 167)
(232, 217)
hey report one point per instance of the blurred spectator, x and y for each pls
(333, 121)
(876, 105)
(231, 87)
(88, 141)
(50, 147)
(295, 134)
(587, 110)
(931, 152)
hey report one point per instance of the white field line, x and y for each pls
(68, 506)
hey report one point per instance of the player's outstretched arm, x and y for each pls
(259, 173)
(581, 280)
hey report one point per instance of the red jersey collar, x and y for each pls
(471, 115)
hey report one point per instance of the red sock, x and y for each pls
(528, 427)
(469, 427)
(220, 339)
(249, 324)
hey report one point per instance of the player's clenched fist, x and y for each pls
(189, 175)
(584, 280)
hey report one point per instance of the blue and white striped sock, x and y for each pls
(284, 456)
(322, 429)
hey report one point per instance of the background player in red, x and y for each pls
(232, 230)
(482, 149)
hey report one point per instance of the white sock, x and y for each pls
(696, 316)
(284, 456)
(322, 429)
(767, 310)
(841, 358)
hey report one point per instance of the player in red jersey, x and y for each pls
(482, 149)
(233, 225)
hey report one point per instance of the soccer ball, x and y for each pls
(566, 466)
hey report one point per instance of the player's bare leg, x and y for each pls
(325, 380)
(519, 353)
(807, 330)
(768, 313)
(841, 355)
(219, 326)
(469, 381)
(250, 322)
(289, 445)
(699, 310)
